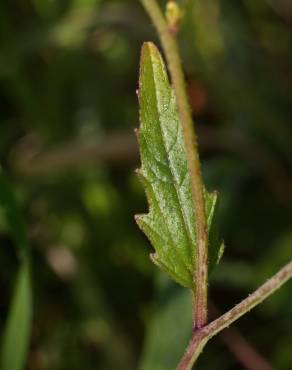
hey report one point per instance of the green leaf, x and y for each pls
(15, 340)
(17, 330)
(170, 223)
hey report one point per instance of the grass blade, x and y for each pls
(15, 341)
(17, 332)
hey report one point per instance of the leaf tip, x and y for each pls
(149, 49)
(148, 46)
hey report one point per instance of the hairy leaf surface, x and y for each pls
(170, 223)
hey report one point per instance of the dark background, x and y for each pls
(68, 108)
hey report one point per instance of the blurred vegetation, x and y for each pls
(68, 75)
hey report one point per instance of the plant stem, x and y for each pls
(170, 48)
(202, 336)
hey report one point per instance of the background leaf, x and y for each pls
(166, 340)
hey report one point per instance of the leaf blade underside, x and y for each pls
(170, 223)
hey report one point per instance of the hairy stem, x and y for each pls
(170, 48)
(202, 336)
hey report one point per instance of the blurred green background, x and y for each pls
(68, 108)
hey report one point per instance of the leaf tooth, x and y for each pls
(144, 222)
(154, 208)
(138, 217)
(173, 272)
(173, 262)
(137, 132)
(138, 172)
